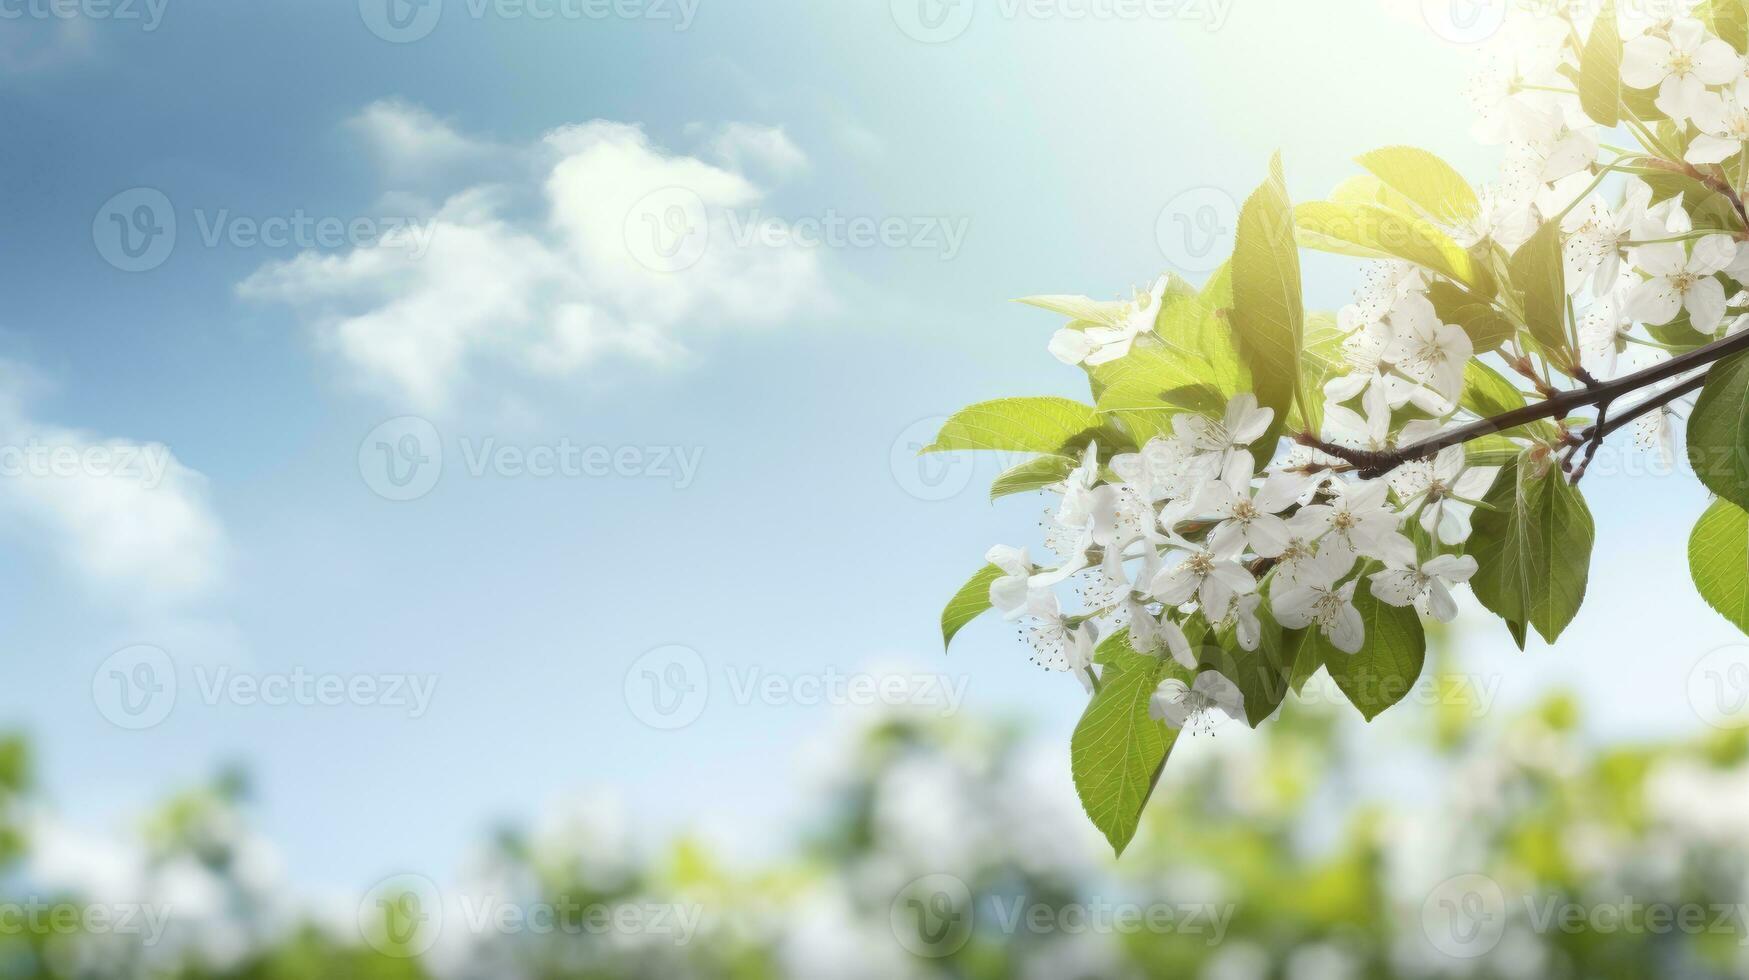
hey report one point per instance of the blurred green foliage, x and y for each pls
(947, 848)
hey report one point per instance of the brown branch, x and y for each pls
(1371, 465)
(1592, 438)
(1651, 404)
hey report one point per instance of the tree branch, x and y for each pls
(1651, 404)
(1371, 465)
(1592, 438)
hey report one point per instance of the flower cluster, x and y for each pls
(1190, 527)
(1653, 258)
(1208, 527)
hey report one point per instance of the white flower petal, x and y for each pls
(1440, 603)
(1645, 61)
(1349, 632)
(1168, 703)
(1223, 692)
(1396, 586)
(1705, 302)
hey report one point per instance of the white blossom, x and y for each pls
(1598, 236)
(1059, 645)
(1680, 67)
(1443, 488)
(1212, 575)
(1250, 519)
(1181, 705)
(1429, 582)
(1323, 602)
(1431, 352)
(1359, 521)
(1723, 121)
(1012, 593)
(1682, 280)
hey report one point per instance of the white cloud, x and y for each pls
(126, 517)
(621, 250)
(741, 146)
(410, 144)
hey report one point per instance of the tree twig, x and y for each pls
(1371, 464)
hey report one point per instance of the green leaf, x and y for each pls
(1488, 327)
(1679, 334)
(970, 602)
(1718, 439)
(1322, 359)
(1080, 309)
(1487, 393)
(1729, 19)
(1643, 103)
(1151, 385)
(1538, 274)
(1431, 183)
(1708, 210)
(1387, 667)
(1367, 189)
(1118, 751)
(1034, 474)
(1268, 315)
(1204, 327)
(1532, 545)
(1718, 557)
(1600, 69)
(1491, 450)
(1517, 629)
(1305, 651)
(1373, 232)
(1022, 425)
(1713, 212)
(1262, 674)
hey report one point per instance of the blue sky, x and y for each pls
(789, 371)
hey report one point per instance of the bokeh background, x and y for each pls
(459, 471)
